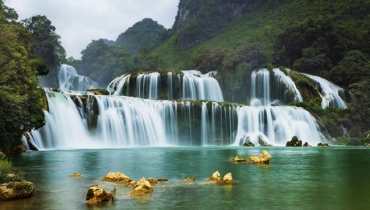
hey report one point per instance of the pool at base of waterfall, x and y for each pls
(335, 177)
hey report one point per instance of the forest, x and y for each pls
(330, 39)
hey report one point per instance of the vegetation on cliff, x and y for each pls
(20, 107)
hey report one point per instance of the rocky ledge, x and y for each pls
(16, 190)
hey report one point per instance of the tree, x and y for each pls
(46, 44)
(20, 107)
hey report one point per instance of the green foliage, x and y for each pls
(6, 168)
(46, 44)
(143, 34)
(20, 107)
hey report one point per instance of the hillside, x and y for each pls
(146, 33)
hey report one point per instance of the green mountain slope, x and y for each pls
(144, 34)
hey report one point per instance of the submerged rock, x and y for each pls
(238, 160)
(98, 195)
(142, 187)
(263, 158)
(16, 190)
(162, 179)
(152, 181)
(76, 175)
(116, 177)
(190, 179)
(322, 144)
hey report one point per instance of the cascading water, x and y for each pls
(331, 95)
(280, 90)
(194, 86)
(91, 121)
(70, 80)
(275, 125)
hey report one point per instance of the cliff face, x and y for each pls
(198, 21)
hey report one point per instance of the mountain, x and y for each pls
(144, 34)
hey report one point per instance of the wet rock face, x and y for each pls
(263, 158)
(142, 187)
(216, 177)
(116, 177)
(16, 190)
(98, 195)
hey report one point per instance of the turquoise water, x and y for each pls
(296, 178)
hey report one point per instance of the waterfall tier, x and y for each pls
(275, 88)
(185, 85)
(70, 80)
(89, 121)
(331, 94)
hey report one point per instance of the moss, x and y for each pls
(99, 91)
(306, 87)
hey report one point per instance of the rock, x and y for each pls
(190, 179)
(16, 190)
(367, 144)
(248, 144)
(98, 195)
(263, 158)
(294, 142)
(322, 144)
(152, 181)
(228, 179)
(116, 177)
(20, 149)
(132, 183)
(238, 160)
(306, 144)
(215, 176)
(76, 175)
(261, 141)
(162, 179)
(142, 187)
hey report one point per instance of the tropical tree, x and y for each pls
(46, 44)
(20, 107)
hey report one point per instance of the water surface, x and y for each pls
(296, 178)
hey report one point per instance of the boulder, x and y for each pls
(162, 179)
(322, 144)
(306, 144)
(98, 195)
(263, 158)
(16, 190)
(116, 177)
(76, 175)
(367, 144)
(152, 181)
(142, 187)
(228, 179)
(238, 160)
(215, 176)
(294, 142)
(248, 144)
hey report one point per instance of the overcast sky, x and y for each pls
(78, 22)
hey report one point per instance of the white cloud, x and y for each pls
(78, 22)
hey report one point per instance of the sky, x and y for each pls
(78, 22)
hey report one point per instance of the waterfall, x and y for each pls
(195, 86)
(70, 80)
(198, 117)
(280, 90)
(276, 125)
(331, 94)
